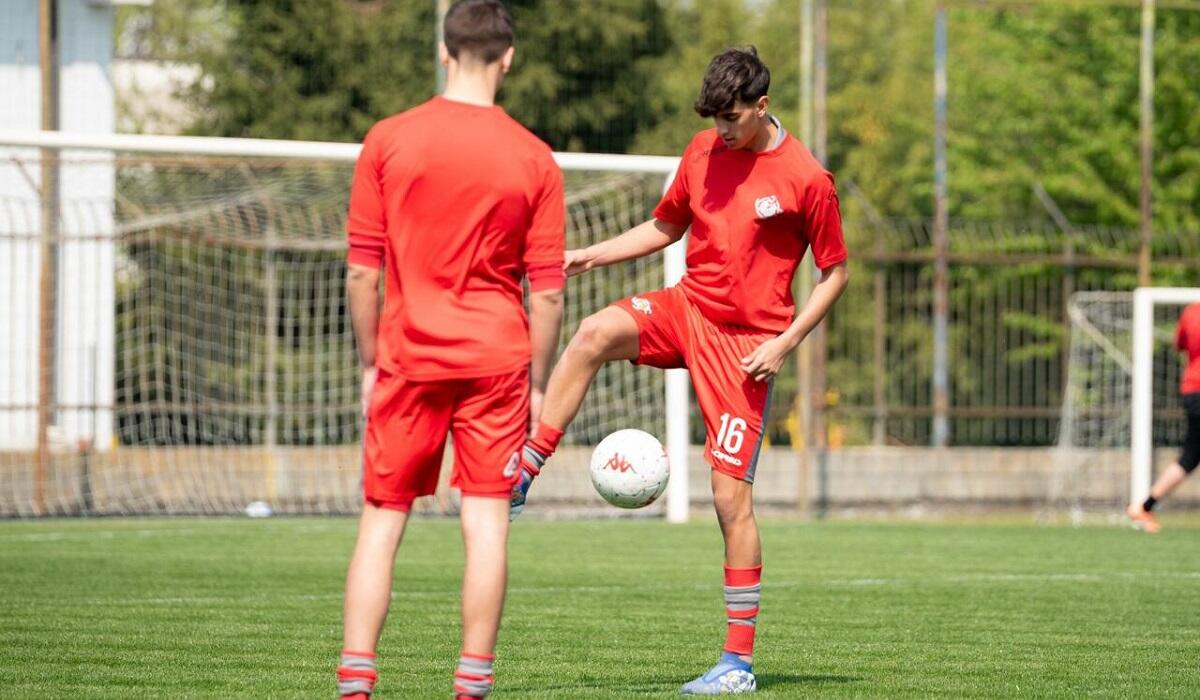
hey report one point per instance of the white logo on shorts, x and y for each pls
(766, 207)
(726, 458)
(640, 304)
(510, 469)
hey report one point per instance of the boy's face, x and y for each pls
(739, 123)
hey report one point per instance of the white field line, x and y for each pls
(103, 534)
(553, 590)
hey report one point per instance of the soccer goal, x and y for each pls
(1122, 396)
(199, 356)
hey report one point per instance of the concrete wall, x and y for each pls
(326, 480)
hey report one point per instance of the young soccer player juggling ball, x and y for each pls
(456, 202)
(755, 199)
(1187, 340)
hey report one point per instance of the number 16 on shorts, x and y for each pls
(728, 451)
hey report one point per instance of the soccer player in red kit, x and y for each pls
(755, 199)
(457, 203)
(1187, 340)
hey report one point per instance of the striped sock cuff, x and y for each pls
(356, 674)
(743, 593)
(474, 677)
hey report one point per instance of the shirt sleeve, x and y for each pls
(366, 224)
(675, 207)
(823, 223)
(544, 242)
(1181, 340)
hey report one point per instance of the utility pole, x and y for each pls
(47, 283)
(941, 220)
(1146, 90)
(440, 8)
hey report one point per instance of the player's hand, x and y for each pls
(766, 360)
(535, 409)
(368, 384)
(577, 261)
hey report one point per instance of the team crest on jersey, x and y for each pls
(766, 207)
(640, 304)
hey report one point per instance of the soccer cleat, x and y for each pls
(531, 466)
(731, 675)
(1143, 519)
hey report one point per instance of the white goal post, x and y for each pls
(15, 144)
(1142, 409)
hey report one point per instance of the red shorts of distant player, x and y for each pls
(407, 424)
(673, 333)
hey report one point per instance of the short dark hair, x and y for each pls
(481, 28)
(734, 75)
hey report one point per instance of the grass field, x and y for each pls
(238, 608)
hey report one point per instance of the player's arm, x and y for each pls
(544, 266)
(767, 359)
(366, 229)
(671, 219)
(643, 239)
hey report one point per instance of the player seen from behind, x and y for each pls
(456, 202)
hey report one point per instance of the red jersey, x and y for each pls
(457, 202)
(1187, 339)
(752, 217)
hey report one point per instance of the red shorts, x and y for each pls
(673, 333)
(407, 424)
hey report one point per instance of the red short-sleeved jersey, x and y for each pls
(752, 217)
(458, 202)
(1187, 339)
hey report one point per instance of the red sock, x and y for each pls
(356, 675)
(474, 677)
(742, 592)
(545, 440)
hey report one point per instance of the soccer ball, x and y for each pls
(629, 468)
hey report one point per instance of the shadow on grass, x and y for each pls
(766, 682)
(782, 681)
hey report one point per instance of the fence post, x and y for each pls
(941, 274)
(879, 346)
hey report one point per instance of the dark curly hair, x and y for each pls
(734, 75)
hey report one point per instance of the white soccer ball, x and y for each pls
(629, 468)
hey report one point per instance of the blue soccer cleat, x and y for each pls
(531, 466)
(730, 675)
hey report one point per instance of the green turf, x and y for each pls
(238, 608)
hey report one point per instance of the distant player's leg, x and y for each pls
(734, 408)
(610, 334)
(1142, 514)
(402, 452)
(489, 427)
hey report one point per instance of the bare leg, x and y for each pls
(485, 534)
(610, 334)
(735, 512)
(1168, 481)
(369, 580)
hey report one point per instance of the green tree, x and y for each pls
(313, 69)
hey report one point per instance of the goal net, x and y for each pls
(199, 355)
(1122, 418)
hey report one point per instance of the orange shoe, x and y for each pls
(1143, 519)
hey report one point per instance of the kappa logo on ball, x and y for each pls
(766, 207)
(511, 468)
(618, 463)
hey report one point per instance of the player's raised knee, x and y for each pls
(597, 337)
